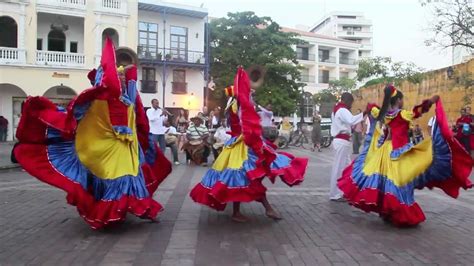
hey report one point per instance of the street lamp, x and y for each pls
(450, 72)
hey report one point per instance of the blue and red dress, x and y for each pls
(98, 150)
(383, 178)
(246, 159)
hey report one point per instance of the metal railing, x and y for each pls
(112, 6)
(347, 61)
(12, 55)
(60, 59)
(308, 79)
(148, 86)
(79, 4)
(171, 55)
(325, 79)
(304, 56)
(327, 59)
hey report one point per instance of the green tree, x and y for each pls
(245, 39)
(384, 70)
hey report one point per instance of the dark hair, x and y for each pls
(346, 96)
(388, 100)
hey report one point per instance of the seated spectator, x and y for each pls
(197, 149)
(171, 139)
(221, 137)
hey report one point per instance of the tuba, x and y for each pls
(125, 56)
(256, 75)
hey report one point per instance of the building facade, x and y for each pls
(172, 50)
(47, 47)
(462, 54)
(351, 26)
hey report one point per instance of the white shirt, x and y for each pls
(156, 120)
(171, 130)
(265, 117)
(221, 135)
(214, 120)
(343, 121)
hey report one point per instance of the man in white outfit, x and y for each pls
(341, 125)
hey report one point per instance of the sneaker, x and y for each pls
(177, 163)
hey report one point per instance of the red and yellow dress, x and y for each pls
(98, 150)
(246, 159)
(383, 178)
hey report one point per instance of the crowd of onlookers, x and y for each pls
(197, 136)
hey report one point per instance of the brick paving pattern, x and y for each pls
(38, 227)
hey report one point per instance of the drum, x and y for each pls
(270, 133)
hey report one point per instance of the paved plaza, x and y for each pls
(38, 227)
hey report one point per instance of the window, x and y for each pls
(179, 43)
(347, 17)
(148, 80)
(179, 82)
(323, 76)
(148, 40)
(302, 53)
(360, 53)
(56, 41)
(39, 44)
(8, 32)
(73, 47)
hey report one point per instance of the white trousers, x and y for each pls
(343, 149)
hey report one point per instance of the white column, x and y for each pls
(337, 64)
(21, 28)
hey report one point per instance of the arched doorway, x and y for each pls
(112, 34)
(60, 95)
(8, 32)
(56, 41)
(10, 106)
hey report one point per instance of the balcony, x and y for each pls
(49, 58)
(179, 87)
(63, 4)
(325, 79)
(12, 55)
(307, 79)
(148, 86)
(327, 59)
(347, 61)
(112, 6)
(305, 56)
(172, 56)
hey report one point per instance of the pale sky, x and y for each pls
(399, 26)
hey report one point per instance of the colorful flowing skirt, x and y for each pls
(383, 180)
(106, 170)
(234, 176)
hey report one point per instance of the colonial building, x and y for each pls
(47, 47)
(172, 49)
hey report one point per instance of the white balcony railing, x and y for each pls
(112, 6)
(77, 4)
(50, 58)
(12, 55)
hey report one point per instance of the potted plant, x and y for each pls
(158, 56)
(168, 56)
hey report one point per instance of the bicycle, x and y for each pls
(299, 139)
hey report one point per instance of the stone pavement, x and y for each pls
(38, 227)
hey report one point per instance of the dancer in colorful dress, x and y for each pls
(245, 160)
(98, 150)
(383, 178)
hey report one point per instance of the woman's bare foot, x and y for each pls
(273, 214)
(240, 218)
